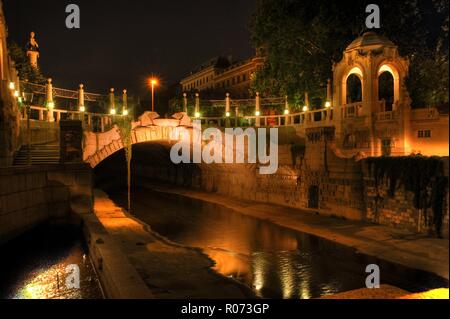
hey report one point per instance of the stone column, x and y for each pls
(227, 109)
(81, 106)
(307, 107)
(197, 105)
(287, 111)
(329, 92)
(185, 103)
(125, 103)
(258, 110)
(49, 100)
(112, 102)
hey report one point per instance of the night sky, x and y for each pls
(121, 43)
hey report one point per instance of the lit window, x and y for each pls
(424, 134)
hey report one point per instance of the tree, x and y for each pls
(23, 66)
(303, 38)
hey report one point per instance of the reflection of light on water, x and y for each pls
(258, 272)
(304, 292)
(287, 276)
(48, 284)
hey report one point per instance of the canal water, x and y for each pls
(35, 265)
(274, 261)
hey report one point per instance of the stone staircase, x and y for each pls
(40, 154)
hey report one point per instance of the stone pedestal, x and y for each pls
(71, 138)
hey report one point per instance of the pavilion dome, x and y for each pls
(370, 40)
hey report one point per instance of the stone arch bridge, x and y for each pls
(99, 146)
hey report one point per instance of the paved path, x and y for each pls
(169, 270)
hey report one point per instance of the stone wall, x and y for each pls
(29, 196)
(40, 132)
(318, 179)
(398, 210)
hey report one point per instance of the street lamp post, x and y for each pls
(153, 83)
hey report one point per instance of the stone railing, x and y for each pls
(308, 118)
(351, 110)
(93, 121)
(386, 116)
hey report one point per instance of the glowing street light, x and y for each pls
(227, 114)
(327, 104)
(12, 86)
(82, 109)
(113, 112)
(305, 108)
(286, 112)
(125, 113)
(197, 115)
(258, 113)
(153, 82)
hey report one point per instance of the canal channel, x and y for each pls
(275, 262)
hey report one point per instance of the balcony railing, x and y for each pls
(351, 110)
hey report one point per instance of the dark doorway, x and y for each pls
(386, 147)
(313, 197)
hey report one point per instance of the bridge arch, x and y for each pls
(99, 146)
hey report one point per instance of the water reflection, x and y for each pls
(36, 266)
(276, 262)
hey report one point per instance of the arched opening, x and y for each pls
(354, 89)
(352, 86)
(386, 90)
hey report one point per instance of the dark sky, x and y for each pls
(120, 43)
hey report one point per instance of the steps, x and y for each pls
(43, 154)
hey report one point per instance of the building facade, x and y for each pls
(373, 124)
(9, 86)
(219, 76)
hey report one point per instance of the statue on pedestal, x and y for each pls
(33, 50)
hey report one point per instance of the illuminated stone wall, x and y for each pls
(340, 185)
(399, 210)
(30, 196)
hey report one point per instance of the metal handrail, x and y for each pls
(64, 93)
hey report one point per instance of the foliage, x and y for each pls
(303, 38)
(23, 66)
(423, 176)
(125, 126)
